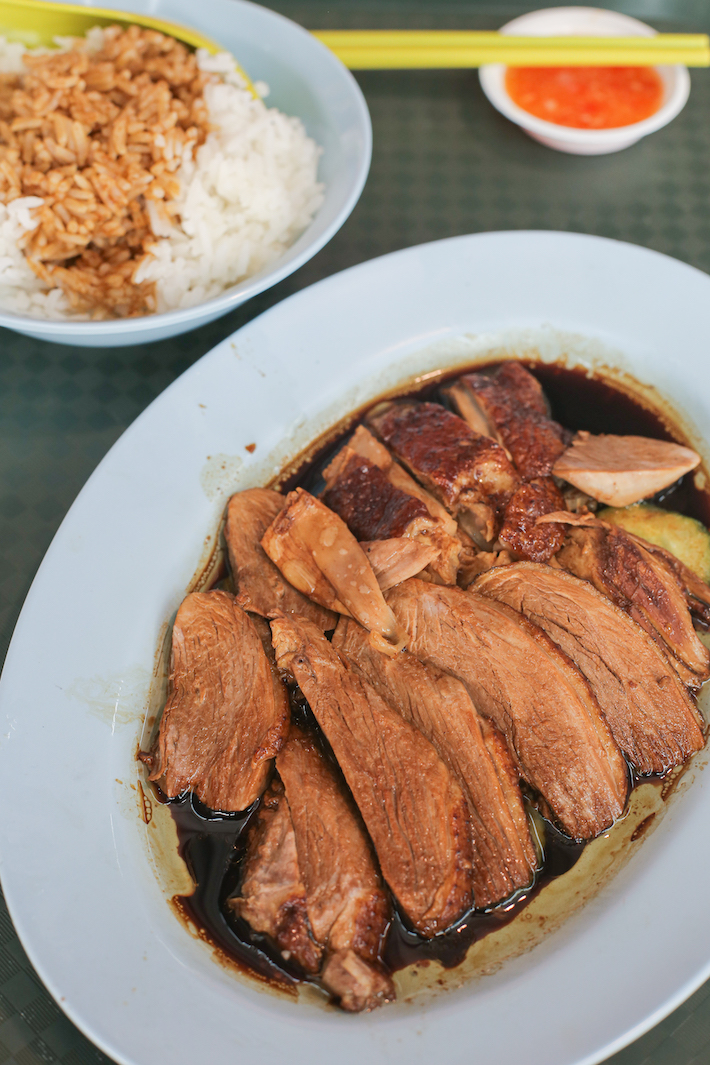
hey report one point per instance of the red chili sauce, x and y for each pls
(586, 97)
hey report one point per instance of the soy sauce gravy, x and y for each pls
(212, 846)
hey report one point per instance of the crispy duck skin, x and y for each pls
(520, 534)
(510, 406)
(370, 505)
(413, 808)
(433, 526)
(226, 716)
(543, 706)
(439, 705)
(317, 553)
(523, 387)
(260, 587)
(471, 474)
(648, 709)
(272, 897)
(348, 907)
(640, 583)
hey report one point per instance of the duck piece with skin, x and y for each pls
(697, 592)
(272, 897)
(469, 473)
(651, 715)
(518, 678)
(620, 470)
(347, 905)
(639, 582)
(260, 586)
(227, 715)
(439, 705)
(412, 806)
(377, 499)
(520, 533)
(316, 552)
(510, 406)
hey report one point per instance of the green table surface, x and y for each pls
(444, 163)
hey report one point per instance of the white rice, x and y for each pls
(245, 198)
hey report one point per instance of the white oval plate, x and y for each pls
(74, 863)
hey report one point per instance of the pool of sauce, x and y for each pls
(213, 845)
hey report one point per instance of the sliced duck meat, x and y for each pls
(697, 592)
(651, 715)
(317, 553)
(471, 474)
(516, 675)
(509, 405)
(395, 505)
(619, 470)
(678, 533)
(639, 582)
(520, 533)
(439, 705)
(348, 907)
(226, 716)
(395, 560)
(272, 897)
(260, 586)
(412, 806)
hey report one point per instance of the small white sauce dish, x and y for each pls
(589, 22)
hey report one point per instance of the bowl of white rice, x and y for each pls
(139, 201)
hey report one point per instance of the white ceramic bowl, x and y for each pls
(588, 22)
(306, 80)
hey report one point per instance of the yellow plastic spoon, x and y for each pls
(37, 22)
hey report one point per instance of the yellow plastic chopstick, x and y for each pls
(414, 49)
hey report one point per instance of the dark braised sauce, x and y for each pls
(213, 845)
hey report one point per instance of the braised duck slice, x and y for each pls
(471, 474)
(697, 592)
(650, 713)
(226, 717)
(397, 559)
(348, 907)
(272, 897)
(412, 806)
(439, 705)
(640, 583)
(509, 405)
(367, 501)
(523, 387)
(260, 586)
(376, 498)
(541, 703)
(520, 533)
(317, 553)
(619, 470)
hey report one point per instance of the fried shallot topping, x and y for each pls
(98, 136)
